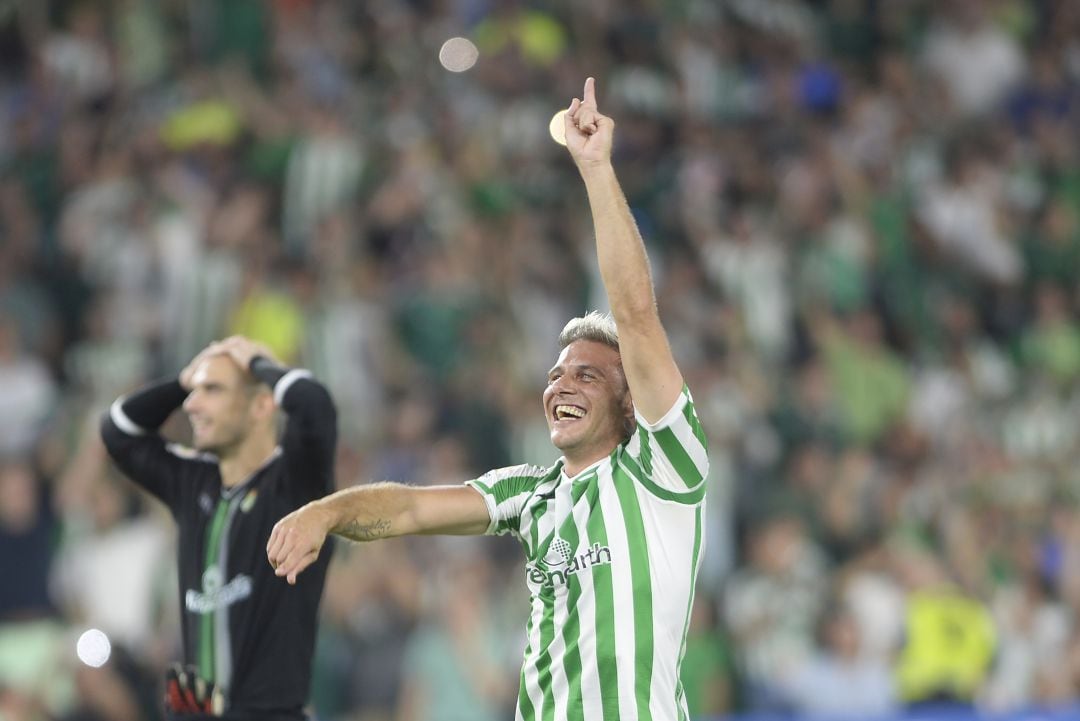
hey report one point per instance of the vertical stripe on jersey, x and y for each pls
(641, 578)
(603, 587)
(695, 425)
(596, 701)
(680, 695)
(540, 513)
(526, 707)
(566, 667)
(645, 451)
(543, 663)
(206, 622)
(528, 525)
(540, 630)
(622, 597)
(222, 633)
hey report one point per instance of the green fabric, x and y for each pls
(29, 651)
(872, 387)
(36, 171)
(539, 37)
(242, 30)
(493, 198)
(206, 628)
(433, 327)
(1054, 349)
(707, 662)
(903, 282)
(1056, 260)
(850, 38)
(826, 273)
(267, 159)
(643, 597)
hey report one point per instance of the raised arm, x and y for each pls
(310, 437)
(368, 513)
(654, 378)
(130, 432)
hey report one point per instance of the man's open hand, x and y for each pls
(297, 539)
(242, 350)
(188, 373)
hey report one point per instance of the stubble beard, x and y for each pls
(221, 448)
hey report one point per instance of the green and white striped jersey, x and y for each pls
(611, 559)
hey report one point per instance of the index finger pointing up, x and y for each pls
(589, 94)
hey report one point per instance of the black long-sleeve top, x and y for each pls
(244, 628)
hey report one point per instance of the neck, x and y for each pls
(577, 464)
(236, 467)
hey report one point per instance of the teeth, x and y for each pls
(568, 412)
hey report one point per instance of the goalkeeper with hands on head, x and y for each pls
(248, 640)
(612, 532)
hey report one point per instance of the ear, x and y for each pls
(262, 405)
(629, 422)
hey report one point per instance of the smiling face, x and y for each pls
(223, 406)
(587, 403)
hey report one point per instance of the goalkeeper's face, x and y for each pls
(222, 406)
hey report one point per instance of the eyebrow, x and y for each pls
(580, 366)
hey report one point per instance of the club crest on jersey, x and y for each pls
(249, 500)
(560, 562)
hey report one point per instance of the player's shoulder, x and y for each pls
(523, 471)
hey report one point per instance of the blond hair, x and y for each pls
(600, 328)
(594, 326)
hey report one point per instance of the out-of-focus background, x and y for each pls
(864, 219)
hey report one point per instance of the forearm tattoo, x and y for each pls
(365, 531)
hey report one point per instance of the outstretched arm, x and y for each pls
(368, 513)
(654, 379)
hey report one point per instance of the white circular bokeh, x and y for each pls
(458, 54)
(557, 127)
(93, 648)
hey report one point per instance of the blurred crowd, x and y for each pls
(864, 220)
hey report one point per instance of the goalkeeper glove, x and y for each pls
(186, 692)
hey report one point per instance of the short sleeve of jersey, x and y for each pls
(670, 457)
(506, 493)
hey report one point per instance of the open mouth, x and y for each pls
(564, 412)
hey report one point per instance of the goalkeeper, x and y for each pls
(248, 640)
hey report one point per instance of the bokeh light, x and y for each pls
(93, 648)
(557, 127)
(458, 54)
